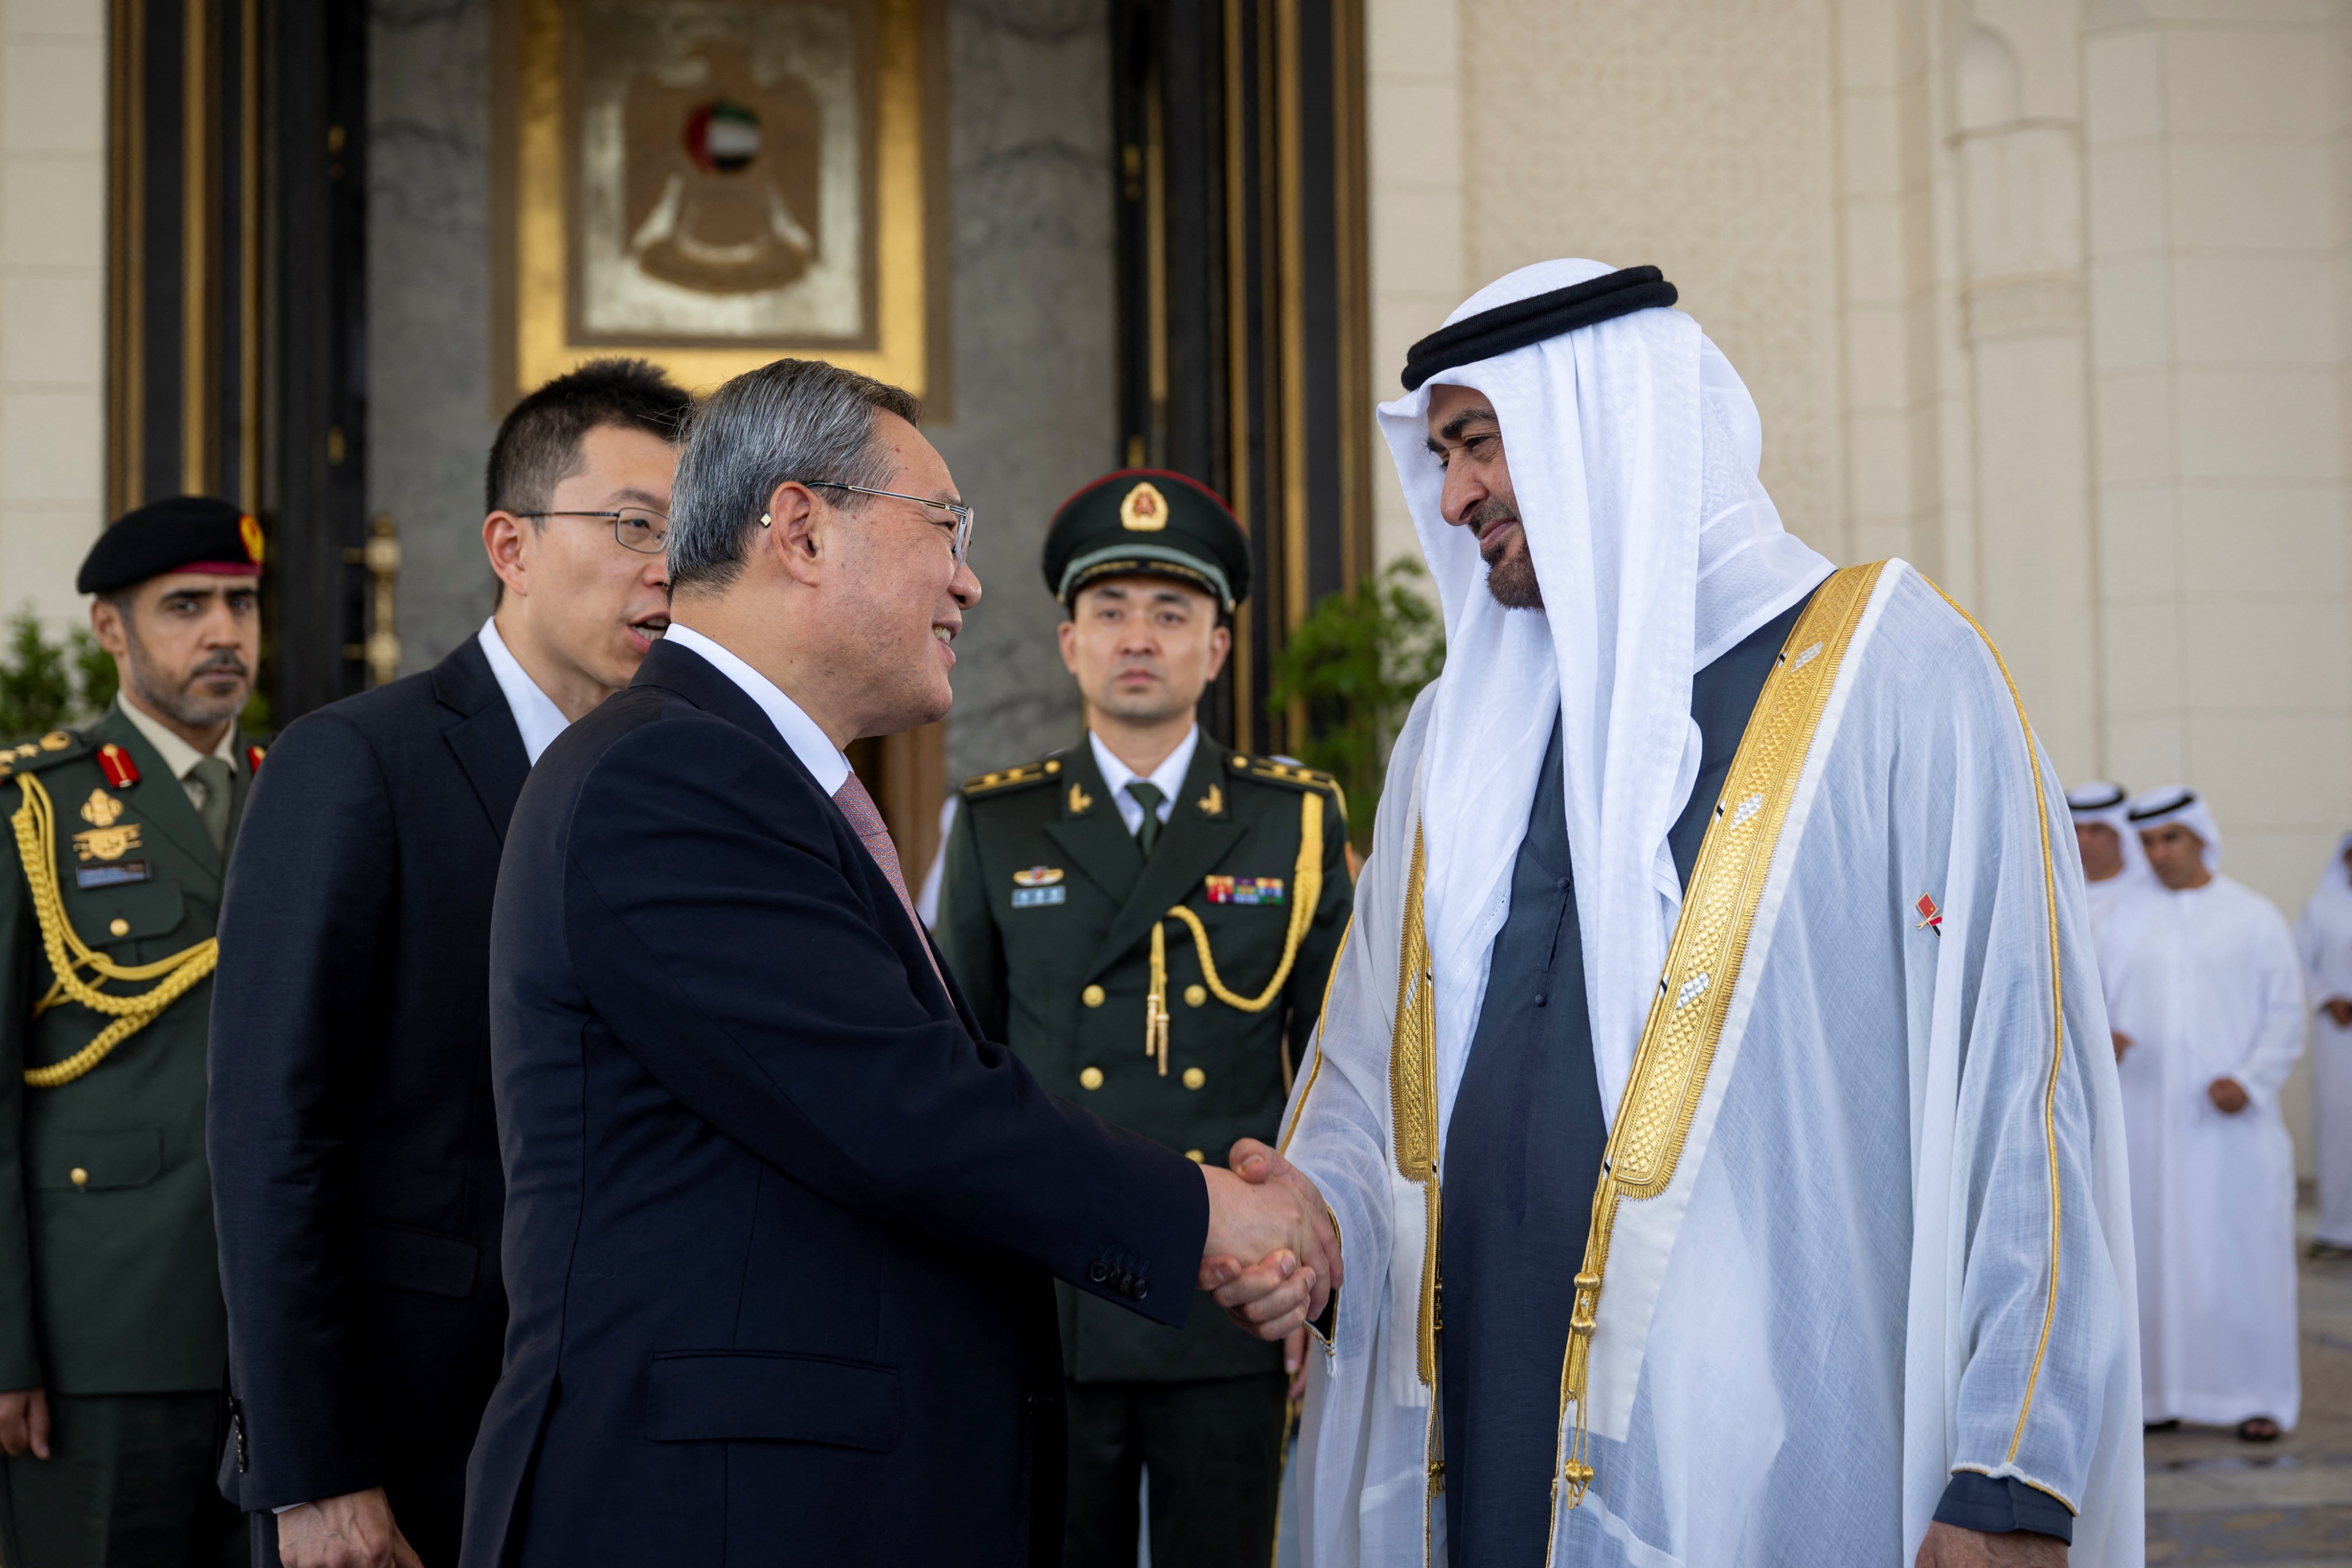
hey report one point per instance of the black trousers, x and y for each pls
(1213, 1453)
(128, 1484)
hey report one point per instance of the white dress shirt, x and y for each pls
(809, 744)
(535, 713)
(1169, 776)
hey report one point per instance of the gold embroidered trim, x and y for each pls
(2057, 1022)
(1703, 967)
(1315, 1067)
(1413, 1096)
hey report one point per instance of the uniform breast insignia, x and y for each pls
(1245, 890)
(1213, 803)
(109, 837)
(1931, 917)
(1081, 802)
(1036, 886)
(116, 764)
(253, 755)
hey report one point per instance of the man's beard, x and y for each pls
(182, 703)
(1511, 579)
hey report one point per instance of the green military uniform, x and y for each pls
(110, 1286)
(1069, 942)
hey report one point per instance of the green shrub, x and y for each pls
(1355, 663)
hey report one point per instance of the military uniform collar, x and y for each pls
(178, 757)
(1169, 776)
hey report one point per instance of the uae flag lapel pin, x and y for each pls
(1931, 917)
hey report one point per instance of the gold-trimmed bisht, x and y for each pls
(1702, 973)
(34, 823)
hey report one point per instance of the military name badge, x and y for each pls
(1245, 890)
(109, 837)
(1038, 885)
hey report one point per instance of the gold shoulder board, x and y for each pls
(1027, 773)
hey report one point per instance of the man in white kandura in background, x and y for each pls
(2324, 936)
(1752, 876)
(2215, 1012)
(2117, 886)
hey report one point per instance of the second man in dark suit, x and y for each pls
(356, 1172)
(1149, 919)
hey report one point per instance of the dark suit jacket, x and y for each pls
(354, 1152)
(780, 1225)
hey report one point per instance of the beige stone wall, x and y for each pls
(2052, 299)
(52, 298)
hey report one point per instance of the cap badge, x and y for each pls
(1037, 877)
(101, 810)
(249, 532)
(1145, 509)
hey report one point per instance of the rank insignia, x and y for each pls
(1245, 890)
(107, 843)
(1931, 917)
(116, 764)
(1037, 877)
(101, 810)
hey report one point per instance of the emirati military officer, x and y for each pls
(1149, 919)
(112, 1336)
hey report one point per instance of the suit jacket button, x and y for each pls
(1142, 1288)
(1098, 1271)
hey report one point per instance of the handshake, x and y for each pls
(1262, 1208)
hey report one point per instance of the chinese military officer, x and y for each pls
(112, 1336)
(1149, 919)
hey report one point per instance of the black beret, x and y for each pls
(185, 534)
(1152, 521)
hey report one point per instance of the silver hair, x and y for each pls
(790, 419)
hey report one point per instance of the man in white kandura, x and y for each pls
(2214, 1008)
(2118, 887)
(1813, 1250)
(2324, 936)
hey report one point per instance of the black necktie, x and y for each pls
(1146, 795)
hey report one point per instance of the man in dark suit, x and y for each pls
(780, 1228)
(355, 1174)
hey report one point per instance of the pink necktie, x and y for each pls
(858, 807)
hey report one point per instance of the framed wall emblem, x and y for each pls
(714, 184)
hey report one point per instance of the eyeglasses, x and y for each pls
(960, 514)
(634, 527)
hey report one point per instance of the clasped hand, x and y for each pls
(1264, 1209)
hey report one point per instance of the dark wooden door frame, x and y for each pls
(1243, 298)
(236, 298)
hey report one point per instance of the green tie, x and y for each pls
(214, 774)
(1148, 795)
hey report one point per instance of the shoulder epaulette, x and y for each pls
(1012, 778)
(1297, 775)
(46, 752)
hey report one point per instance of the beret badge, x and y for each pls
(1145, 509)
(248, 534)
